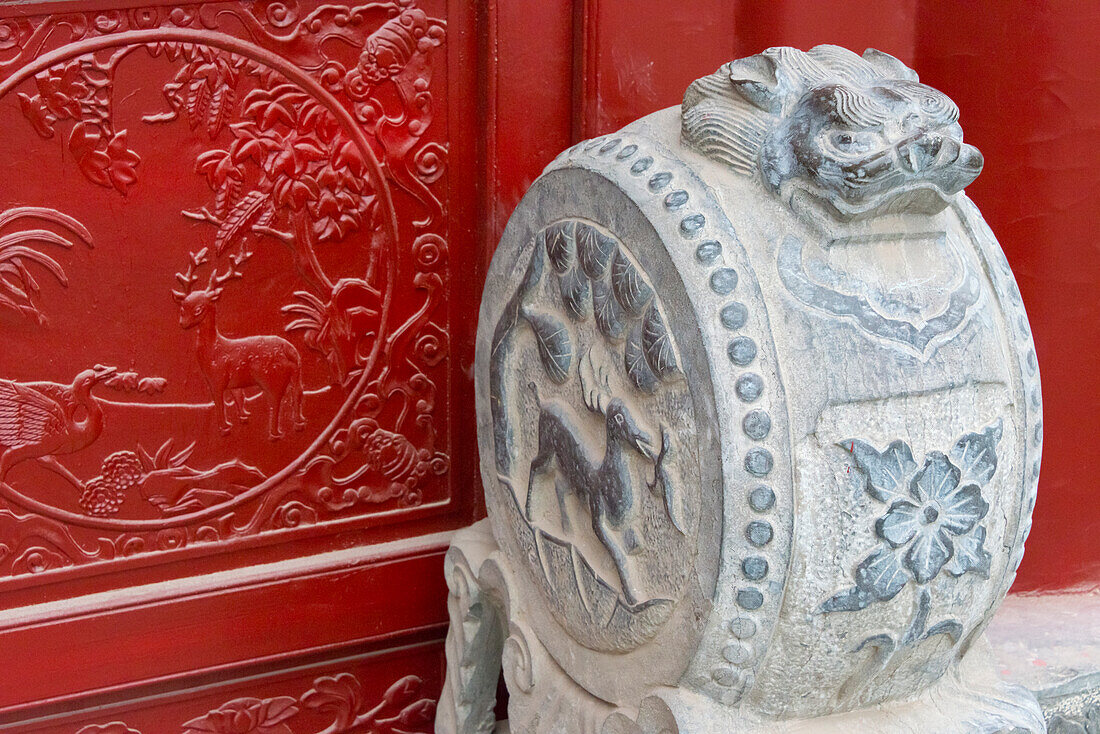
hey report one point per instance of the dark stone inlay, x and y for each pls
(659, 180)
(708, 252)
(742, 351)
(610, 145)
(724, 677)
(749, 387)
(759, 533)
(734, 316)
(757, 424)
(743, 628)
(737, 654)
(762, 499)
(627, 151)
(754, 568)
(723, 281)
(750, 598)
(676, 199)
(691, 224)
(641, 165)
(759, 462)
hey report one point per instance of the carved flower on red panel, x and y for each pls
(62, 89)
(113, 166)
(246, 716)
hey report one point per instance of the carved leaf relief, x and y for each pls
(595, 250)
(608, 312)
(554, 344)
(630, 288)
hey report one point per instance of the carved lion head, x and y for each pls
(859, 135)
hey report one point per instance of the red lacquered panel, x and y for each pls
(225, 248)
(382, 693)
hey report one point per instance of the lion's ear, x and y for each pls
(889, 66)
(755, 80)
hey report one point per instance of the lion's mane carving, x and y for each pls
(858, 135)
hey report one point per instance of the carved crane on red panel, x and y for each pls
(39, 420)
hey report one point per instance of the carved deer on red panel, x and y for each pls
(233, 365)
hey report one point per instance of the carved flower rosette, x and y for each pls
(221, 259)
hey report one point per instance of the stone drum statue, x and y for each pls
(760, 423)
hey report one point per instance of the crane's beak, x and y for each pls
(102, 372)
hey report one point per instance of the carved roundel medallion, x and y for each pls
(197, 278)
(206, 367)
(595, 440)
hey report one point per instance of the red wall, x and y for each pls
(1026, 76)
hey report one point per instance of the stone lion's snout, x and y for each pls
(944, 161)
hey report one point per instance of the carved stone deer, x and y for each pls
(233, 365)
(605, 485)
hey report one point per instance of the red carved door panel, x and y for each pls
(233, 359)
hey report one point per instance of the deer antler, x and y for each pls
(190, 277)
(593, 394)
(234, 273)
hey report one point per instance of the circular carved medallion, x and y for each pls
(595, 429)
(165, 366)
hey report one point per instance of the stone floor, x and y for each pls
(1051, 645)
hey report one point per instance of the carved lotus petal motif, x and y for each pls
(900, 523)
(970, 555)
(961, 511)
(936, 480)
(887, 472)
(975, 454)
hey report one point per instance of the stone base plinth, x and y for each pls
(489, 633)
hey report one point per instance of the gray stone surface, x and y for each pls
(1051, 645)
(760, 423)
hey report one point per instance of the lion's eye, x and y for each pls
(852, 142)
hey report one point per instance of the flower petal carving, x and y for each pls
(936, 480)
(900, 523)
(928, 553)
(961, 511)
(976, 454)
(888, 472)
(970, 555)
